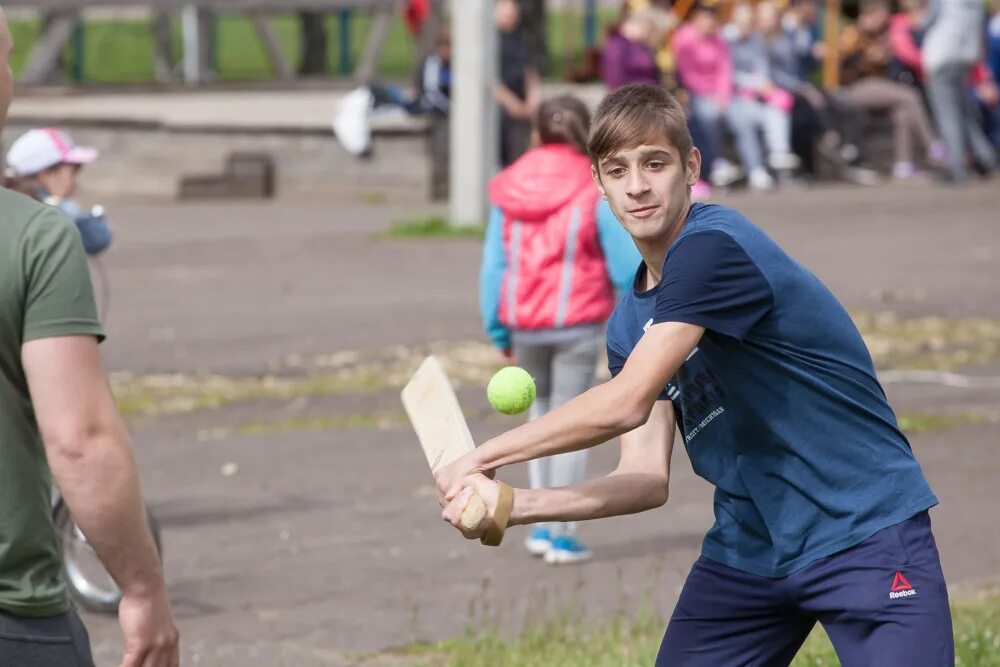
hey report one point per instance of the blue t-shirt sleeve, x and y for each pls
(709, 280)
(616, 362)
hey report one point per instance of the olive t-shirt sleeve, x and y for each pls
(59, 298)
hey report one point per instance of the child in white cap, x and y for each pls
(43, 164)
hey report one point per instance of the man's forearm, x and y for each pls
(99, 483)
(614, 495)
(594, 417)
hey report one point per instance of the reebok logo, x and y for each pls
(901, 588)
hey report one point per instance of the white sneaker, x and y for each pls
(724, 173)
(566, 550)
(538, 542)
(761, 180)
(783, 161)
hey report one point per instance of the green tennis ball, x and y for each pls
(511, 390)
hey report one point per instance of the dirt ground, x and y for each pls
(318, 542)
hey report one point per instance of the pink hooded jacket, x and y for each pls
(556, 274)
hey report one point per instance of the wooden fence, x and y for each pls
(61, 18)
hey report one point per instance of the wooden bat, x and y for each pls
(437, 418)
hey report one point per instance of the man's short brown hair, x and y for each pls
(635, 115)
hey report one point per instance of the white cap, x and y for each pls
(38, 150)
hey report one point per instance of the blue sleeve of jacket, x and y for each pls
(620, 254)
(491, 281)
(93, 229)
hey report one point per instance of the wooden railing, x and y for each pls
(63, 16)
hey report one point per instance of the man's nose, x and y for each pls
(636, 185)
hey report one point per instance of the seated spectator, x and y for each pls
(434, 86)
(801, 22)
(758, 105)
(993, 65)
(864, 66)
(704, 69)
(906, 32)
(951, 47)
(819, 122)
(352, 118)
(993, 41)
(629, 54)
(44, 164)
(986, 96)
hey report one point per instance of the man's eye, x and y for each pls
(617, 172)
(656, 164)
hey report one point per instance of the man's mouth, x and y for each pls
(644, 211)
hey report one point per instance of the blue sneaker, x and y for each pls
(539, 541)
(566, 549)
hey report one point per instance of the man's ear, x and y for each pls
(597, 180)
(693, 166)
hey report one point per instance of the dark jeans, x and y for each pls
(58, 641)
(515, 138)
(882, 602)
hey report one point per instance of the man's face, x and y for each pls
(648, 187)
(6, 78)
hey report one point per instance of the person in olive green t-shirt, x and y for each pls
(41, 295)
(57, 413)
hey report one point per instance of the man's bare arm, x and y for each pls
(639, 483)
(91, 459)
(606, 411)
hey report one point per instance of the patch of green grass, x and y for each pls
(924, 422)
(179, 394)
(934, 343)
(433, 227)
(570, 643)
(323, 423)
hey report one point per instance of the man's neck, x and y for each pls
(654, 251)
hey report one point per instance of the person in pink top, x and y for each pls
(704, 69)
(907, 61)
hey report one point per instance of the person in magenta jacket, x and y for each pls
(553, 258)
(629, 53)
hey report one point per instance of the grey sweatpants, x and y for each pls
(57, 641)
(957, 118)
(904, 104)
(561, 371)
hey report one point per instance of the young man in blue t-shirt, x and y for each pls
(820, 506)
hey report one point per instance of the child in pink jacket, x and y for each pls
(553, 258)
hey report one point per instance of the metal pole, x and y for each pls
(345, 41)
(590, 23)
(191, 37)
(78, 65)
(474, 115)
